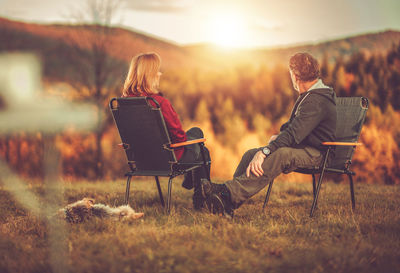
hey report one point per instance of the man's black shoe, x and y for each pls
(218, 198)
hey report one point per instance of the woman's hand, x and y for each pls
(255, 165)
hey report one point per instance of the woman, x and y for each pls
(143, 81)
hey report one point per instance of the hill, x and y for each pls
(53, 43)
(45, 39)
(372, 43)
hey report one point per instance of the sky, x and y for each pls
(229, 23)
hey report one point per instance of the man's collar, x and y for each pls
(319, 84)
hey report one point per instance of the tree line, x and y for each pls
(240, 100)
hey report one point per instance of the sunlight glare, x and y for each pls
(228, 30)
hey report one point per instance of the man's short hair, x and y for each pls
(304, 66)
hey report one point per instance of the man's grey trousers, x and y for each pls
(283, 160)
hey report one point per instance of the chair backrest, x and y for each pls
(144, 134)
(351, 113)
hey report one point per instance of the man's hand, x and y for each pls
(255, 165)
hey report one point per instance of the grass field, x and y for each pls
(281, 239)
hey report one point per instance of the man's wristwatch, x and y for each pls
(266, 151)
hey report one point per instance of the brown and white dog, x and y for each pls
(86, 208)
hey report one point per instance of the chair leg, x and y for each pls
(169, 195)
(268, 193)
(128, 185)
(203, 156)
(313, 184)
(314, 204)
(159, 191)
(353, 201)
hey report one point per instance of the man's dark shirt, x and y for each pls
(312, 121)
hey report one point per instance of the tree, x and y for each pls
(98, 72)
(202, 113)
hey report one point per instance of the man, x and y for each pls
(298, 145)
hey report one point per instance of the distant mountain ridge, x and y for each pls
(372, 43)
(126, 43)
(38, 38)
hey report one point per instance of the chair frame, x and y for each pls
(322, 169)
(177, 168)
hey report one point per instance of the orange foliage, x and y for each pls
(349, 79)
(377, 160)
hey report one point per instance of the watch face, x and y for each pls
(266, 151)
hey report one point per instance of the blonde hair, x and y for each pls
(142, 78)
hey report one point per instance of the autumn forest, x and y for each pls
(239, 98)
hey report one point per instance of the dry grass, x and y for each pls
(281, 239)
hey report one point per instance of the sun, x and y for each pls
(227, 30)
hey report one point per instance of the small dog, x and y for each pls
(86, 208)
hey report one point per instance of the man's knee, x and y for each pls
(283, 153)
(244, 162)
(282, 160)
(195, 132)
(248, 156)
(282, 156)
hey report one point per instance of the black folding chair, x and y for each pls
(147, 144)
(351, 113)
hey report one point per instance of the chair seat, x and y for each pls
(317, 170)
(148, 173)
(308, 170)
(179, 169)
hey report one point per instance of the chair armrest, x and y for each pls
(190, 142)
(341, 143)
